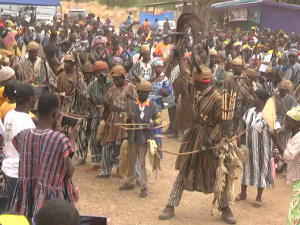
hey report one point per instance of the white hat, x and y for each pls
(6, 73)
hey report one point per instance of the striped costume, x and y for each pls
(113, 135)
(42, 169)
(94, 91)
(197, 172)
(257, 168)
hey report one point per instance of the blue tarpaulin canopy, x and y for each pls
(31, 2)
(152, 17)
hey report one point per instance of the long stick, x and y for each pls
(78, 90)
(112, 105)
(213, 147)
(140, 128)
(295, 92)
(225, 104)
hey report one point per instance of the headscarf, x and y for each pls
(157, 62)
(294, 113)
(118, 60)
(10, 24)
(293, 51)
(100, 65)
(262, 94)
(6, 219)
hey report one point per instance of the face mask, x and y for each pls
(143, 98)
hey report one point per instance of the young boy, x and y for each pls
(147, 112)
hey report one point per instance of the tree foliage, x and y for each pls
(202, 8)
(121, 3)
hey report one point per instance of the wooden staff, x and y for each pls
(72, 115)
(78, 90)
(225, 108)
(213, 147)
(295, 92)
(140, 128)
(223, 105)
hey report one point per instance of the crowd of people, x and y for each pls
(71, 86)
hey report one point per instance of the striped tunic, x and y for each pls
(94, 91)
(257, 168)
(42, 168)
(198, 171)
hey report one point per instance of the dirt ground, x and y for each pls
(102, 197)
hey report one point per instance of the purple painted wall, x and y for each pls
(278, 18)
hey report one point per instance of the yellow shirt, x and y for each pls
(2, 98)
(6, 107)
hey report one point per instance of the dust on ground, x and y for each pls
(102, 197)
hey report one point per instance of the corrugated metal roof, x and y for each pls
(231, 3)
(251, 3)
(31, 2)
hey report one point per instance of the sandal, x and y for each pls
(240, 198)
(257, 204)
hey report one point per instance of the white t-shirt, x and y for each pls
(14, 123)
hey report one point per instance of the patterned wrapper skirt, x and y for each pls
(294, 209)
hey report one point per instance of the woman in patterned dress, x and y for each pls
(257, 168)
(161, 88)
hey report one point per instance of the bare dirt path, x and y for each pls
(102, 197)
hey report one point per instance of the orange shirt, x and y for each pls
(163, 51)
(146, 24)
(6, 107)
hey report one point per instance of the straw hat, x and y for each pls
(204, 75)
(237, 62)
(144, 86)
